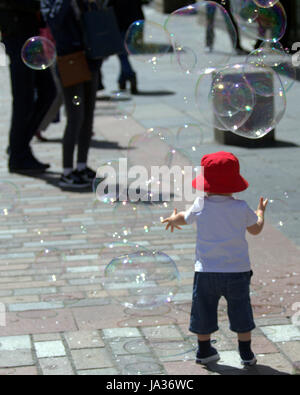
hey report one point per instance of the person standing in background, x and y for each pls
(32, 91)
(63, 18)
(127, 12)
(210, 20)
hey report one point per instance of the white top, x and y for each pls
(221, 233)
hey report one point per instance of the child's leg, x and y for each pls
(247, 355)
(244, 337)
(203, 338)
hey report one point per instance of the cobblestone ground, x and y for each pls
(56, 244)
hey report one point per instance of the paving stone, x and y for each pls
(46, 337)
(281, 333)
(56, 366)
(47, 349)
(91, 358)
(185, 368)
(290, 349)
(83, 339)
(12, 343)
(121, 332)
(274, 364)
(16, 358)
(98, 372)
(22, 371)
(161, 332)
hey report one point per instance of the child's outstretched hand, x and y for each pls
(261, 206)
(174, 221)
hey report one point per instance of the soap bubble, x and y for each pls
(273, 55)
(265, 3)
(9, 196)
(38, 53)
(211, 48)
(150, 279)
(106, 184)
(76, 101)
(229, 95)
(123, 105)
(189, 137)
(147, 41)
(278, 210)
(269, 102)
(266, 24)
(186, 59)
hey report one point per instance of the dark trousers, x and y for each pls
(33, 92)
(80, 116)
(126, 68)
(210, 15)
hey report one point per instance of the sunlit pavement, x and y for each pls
(55, 246)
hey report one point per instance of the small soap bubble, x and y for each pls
(38, 53)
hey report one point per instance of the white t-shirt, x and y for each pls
(221, 233)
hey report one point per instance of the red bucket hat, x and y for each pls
(220, 173)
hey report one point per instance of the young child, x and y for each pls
(222, 265)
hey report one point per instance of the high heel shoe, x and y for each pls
(133, 84)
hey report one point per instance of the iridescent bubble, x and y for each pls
(270, 102)
(147, 41)
(9, 196)
(125, 216)
(273, 55)
(210, 48)
(106, 184)
(38, 53)
(229, 95)
(150, 278)
(76, 101)
(266, 24)
(278, 212)
(189, 137)
(265, 3)
(123, 105)
(186, 59)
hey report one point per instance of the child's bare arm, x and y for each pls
(175, 221)
(258, 227)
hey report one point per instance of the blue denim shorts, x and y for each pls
(207, 291)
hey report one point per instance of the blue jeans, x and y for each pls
(126, 68)
(208, 289)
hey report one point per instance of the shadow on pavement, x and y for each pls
(52, 178)
(100, 144)
(257, 370)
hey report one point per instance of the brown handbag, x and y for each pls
(73, 69)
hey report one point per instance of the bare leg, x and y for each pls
(244, 337)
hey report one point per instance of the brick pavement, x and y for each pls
(55, 246)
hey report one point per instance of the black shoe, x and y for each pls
(87, 174)
(73, 180)
(28, 164)
(211, 356)
(133, 83)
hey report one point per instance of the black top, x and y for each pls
(127, 11)
(19, 18)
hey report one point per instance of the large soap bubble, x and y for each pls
(224, 97)
(149, 278)
(267, 24)
(212, 46)
(265, 3)
(273, 55)
(147, 41)
(38, 53)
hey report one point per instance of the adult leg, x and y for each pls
(75, 118)
(210, 19)
(86, 129)
(22, 87)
